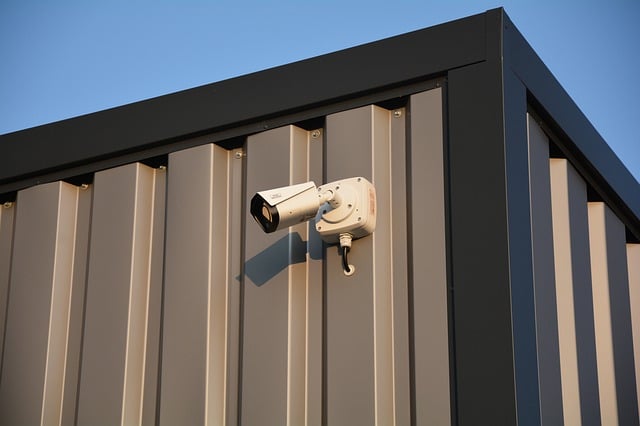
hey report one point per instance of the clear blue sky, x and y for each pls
(64, 58)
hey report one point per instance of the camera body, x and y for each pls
(280, 208)
(347, 206)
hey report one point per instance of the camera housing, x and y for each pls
(280, 208)
(347, 206)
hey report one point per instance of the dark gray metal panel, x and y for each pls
(484, 357)
(114, 345)
(573, 292)
(612, 317)
(520, 256)
(400, 265)
(248, 99)
(194, 341)
(76, 315)
(32, 383)
(359, 309)
(7, 214)
(544, 277)
(428, 263)
(154, 326)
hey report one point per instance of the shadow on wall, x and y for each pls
(288, 250)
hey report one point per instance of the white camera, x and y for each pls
(345, 207)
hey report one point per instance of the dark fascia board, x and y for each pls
(80, 144)
(577, 137)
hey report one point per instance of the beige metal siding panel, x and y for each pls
(76, 316)
(32, 383)
(573, 295)
(113, 354)
(360, 381)
(194, 340)
(612, 317)
(266, 289)
(633, 264)
(429, 261)
(350, 364)
(276, 361)
(7, 214)
(544, 276)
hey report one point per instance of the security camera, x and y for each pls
(343, 210)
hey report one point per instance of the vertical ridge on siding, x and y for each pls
(76, 315)
(7, 215)
(236, 220)
(298, 281)
(314, 297)
(382, 268)
(37, 327)
(399, 265)
(573, 293)
(154, 326)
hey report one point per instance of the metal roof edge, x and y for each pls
(358, 71)
(563, 118)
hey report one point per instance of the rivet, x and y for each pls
(397, 113)
(84, 186)
(315, 134)
(162, 167)
(238, 155)
(7, 204)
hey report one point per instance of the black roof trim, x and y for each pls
(239, 101)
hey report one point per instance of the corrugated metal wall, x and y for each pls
(150, 296)
(584, 281)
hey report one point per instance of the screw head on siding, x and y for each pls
(238, 154)
(316, 134)
(7, 205)
(397, 113)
